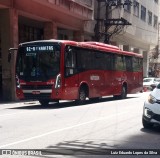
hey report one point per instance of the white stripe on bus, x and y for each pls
(38, 90)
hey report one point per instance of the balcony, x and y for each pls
(82, 9)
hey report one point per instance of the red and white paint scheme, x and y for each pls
(53, 70)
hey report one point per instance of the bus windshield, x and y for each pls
(38, 63)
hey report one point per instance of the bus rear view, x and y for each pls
(37, 68)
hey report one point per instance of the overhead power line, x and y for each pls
(118, 23)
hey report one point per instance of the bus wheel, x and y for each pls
(82, 96)
(44, 102)
(123, 94)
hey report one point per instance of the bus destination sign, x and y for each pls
(39, 48)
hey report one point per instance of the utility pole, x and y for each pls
(106, 39)
(97, 25)
(107, 22)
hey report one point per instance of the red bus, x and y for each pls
(53, 70)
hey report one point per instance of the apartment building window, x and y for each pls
(155, 21)
(29, 33)
(149, 18)
(143, 13)
(136, 8)
(62, 36)
(127, 8)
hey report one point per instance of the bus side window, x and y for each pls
(140, 62)
(98, 60)
(109, 61)
(70, 61)
(129, 66)
(135, 64)
(119, 62)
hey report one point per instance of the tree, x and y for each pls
(153, 63)
(107, 27)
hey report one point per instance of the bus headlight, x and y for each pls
(58, 81)
(17, 82)
(151, 99)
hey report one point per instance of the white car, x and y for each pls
(151, 110)
(156, 82)
(147, 82)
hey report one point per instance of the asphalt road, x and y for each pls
(85, 130)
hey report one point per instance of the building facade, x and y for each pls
(142, 35)
(28, 20)
(154, 56)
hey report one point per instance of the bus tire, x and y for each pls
(123, 94)
(116, 97)
(44, 102)
(82, 96)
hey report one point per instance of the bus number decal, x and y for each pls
(94, 78)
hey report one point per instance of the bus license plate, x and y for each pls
(35, 92)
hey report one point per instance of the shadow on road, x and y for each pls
(33, 106)
(78, 148)
(140, 142)
(155, 130)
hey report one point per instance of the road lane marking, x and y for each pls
(60, 130)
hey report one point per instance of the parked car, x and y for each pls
(156, 82)
(150, 83)
(151, 110)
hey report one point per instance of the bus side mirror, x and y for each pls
(10, 51)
